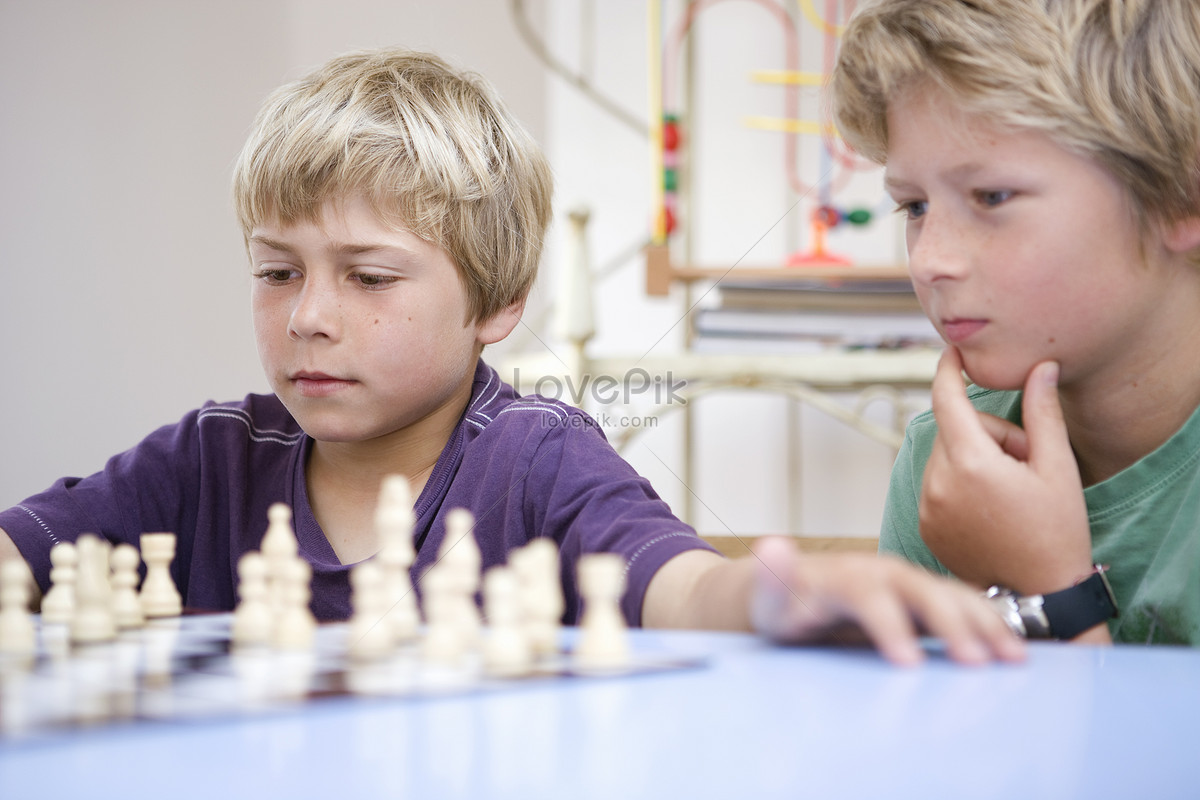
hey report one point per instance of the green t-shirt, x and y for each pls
(1145, 523)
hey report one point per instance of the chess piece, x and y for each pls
(296, 627)
(394, 524)
(506, 650)
(443, 643)
(252, 619)
(369, 637)
(18, 637)
(93, 618)
(126, 605)
(459, 559)
(542, 604)
(58, 606)
(279, 547)
(159, 596)
(604, 638)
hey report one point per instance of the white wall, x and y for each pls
(123, 298)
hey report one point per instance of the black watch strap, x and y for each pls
(1072, 611)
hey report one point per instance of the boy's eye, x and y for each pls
(275, 276)
(372, 281)
(992, 197)
(913, 209)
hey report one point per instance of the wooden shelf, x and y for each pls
(661, 273)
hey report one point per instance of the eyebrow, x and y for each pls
(338, 249)
(956, 172)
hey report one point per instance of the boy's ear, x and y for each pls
(500, 324)
(1184, 235)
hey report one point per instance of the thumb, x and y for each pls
(1045, 427)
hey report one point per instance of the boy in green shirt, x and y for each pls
(1046, 156)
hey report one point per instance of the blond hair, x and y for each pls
(431, 148)
(1115, 80)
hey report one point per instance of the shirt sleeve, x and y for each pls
(138, 490)
(591, 500)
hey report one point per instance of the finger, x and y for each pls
(957, 419)
(776, 610)
(1045, 427)
(971, 630)
(887, 623)
(1011, 437)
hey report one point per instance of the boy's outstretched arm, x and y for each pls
(797, 598)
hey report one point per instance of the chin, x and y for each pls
(1002, 378)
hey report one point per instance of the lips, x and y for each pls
(959, 330)
(318, 384)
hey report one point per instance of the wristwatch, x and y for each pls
(1059, 615)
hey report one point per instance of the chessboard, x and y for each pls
(105, 650)
(187, 668)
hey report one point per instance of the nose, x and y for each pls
(316, 313)
(937, 249)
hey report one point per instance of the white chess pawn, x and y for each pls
(296, 627)
(160, 597)
(459, 559)
(369, 637)
(604, 638)
(58, 606)
(93, 617)
(126, 605)
(506, 650)
(253, 620)
(18, 636)
(542, 604)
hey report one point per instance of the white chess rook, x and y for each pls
(159, 596)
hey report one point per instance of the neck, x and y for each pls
(1143, 395)
(343, 478)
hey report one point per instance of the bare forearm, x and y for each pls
(700, 589)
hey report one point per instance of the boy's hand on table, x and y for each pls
(852, 597)
(1002, 505)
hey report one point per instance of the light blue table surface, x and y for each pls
(756, 721)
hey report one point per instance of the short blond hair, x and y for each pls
(1117, 81)
(431, 147)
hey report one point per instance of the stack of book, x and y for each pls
(812, 315)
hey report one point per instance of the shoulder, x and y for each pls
(256, 418)
(496, 408)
